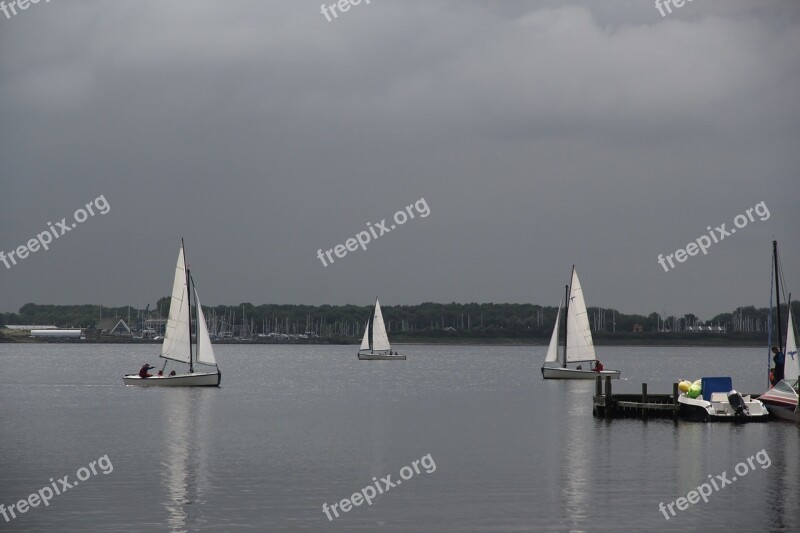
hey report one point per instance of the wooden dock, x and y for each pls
(644, 405)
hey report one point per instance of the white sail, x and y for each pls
(365, 340)
(579, 337)
(205, 352)
(552, 350)
(380, 340)
(177, 339)
(791, 368)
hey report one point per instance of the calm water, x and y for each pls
(293, 427)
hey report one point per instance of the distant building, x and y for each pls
(113, 326)
(57, 333)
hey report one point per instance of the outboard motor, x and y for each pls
(737, 404)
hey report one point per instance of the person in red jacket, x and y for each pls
(143, 371)
(598, 366)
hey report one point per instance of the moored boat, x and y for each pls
(782, 398)
(720, 402)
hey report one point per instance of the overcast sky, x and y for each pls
(540, 134)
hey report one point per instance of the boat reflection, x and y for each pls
(575, 468)
(185, 467)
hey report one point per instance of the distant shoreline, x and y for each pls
(504, 341)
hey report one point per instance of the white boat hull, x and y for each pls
(719, 409)
(782, 400)
(380, 357)
(198, 379)
(785, 413)
(557, 372)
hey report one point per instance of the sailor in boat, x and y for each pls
(779, 362)
(172, 373)
(598, 366)
(143, 371)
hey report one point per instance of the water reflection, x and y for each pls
(694, 454)
(782, 488)
(576, 451)
(378, 423)
(184, 468)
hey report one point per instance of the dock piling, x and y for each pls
(644, 401)
(644, 405)
(675, 401)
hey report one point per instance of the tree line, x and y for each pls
(330, 321)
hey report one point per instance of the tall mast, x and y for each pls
(777, 292)
(371, 327)
(566, 314)
(197, 323)
(189, 307)
(789, 312)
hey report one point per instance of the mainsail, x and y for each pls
(579, 337)
(791, 368)
(177, 338)
(205, 353)
(380, 340)
(552, 350)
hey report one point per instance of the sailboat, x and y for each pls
(784, 397)
(178, 338)
(375, 344)
(578, 344)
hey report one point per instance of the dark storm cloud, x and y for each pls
(541, 135)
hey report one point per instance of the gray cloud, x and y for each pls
(541, 135)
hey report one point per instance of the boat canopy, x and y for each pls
(712, 385)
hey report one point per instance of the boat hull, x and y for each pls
(380, 357)
(781, 401)
(700, 410)
(198, 379)
(555, 372)
(784, 413)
